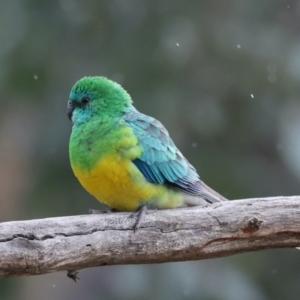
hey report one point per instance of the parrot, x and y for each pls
(126, 159)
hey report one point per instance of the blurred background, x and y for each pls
(222, 75)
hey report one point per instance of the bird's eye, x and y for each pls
(85, 100)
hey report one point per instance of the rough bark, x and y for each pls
(73, 243)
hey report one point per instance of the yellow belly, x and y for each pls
(118, 183)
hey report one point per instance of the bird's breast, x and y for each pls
(116, 183)
(103, 165)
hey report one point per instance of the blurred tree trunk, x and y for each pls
(73, 243)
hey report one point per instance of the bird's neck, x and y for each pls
(90, 140)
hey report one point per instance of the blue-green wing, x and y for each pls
(161, 162)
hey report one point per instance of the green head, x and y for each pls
(97, 96)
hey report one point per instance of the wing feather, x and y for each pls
(161, 162)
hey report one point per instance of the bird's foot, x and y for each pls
(142, 211)
(105, 211)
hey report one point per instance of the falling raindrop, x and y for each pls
(35, 77)
(177, 44)
(238, 46)
(252, 96)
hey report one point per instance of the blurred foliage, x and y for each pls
(223, 76)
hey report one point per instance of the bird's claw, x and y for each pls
(143, 210)
(105, 211)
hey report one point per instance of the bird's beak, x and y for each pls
(70, 110)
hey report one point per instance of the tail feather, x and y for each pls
(212, 195)
(206, 194)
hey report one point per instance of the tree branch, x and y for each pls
(73, 243)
